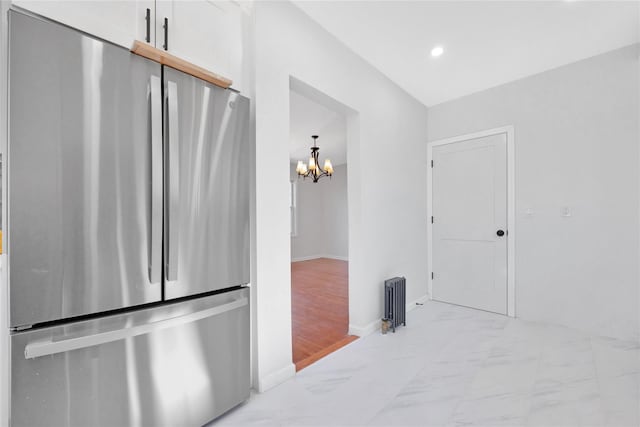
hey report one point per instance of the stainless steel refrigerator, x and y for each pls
(128, 236)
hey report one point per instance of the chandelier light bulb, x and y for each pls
(328, 167)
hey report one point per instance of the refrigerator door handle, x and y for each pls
(47, 348)
(173, 222)
(155, 256)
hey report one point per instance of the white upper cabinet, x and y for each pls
(206, 33)
(120, 22)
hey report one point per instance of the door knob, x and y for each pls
(500, 233)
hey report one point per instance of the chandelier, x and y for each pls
(313, 170)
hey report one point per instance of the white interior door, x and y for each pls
(469, 223)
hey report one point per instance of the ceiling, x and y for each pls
(311, 118)
(485, 43)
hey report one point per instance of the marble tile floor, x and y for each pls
(454, 366)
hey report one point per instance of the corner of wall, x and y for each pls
(420, 301)
(276, 378)
(362, 331)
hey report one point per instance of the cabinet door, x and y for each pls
(119, 22)
(206, 33)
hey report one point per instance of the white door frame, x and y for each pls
(511, 207)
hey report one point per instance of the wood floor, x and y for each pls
(320, 309)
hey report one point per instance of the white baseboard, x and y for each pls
(414, 304)
(305, 258)
(276, 378)
(310, 257)
(362, 331)
(338, 257)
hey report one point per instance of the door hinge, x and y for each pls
(431, 163)
(431, 220)
(432, 275)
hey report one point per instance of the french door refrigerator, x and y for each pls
(128, 236)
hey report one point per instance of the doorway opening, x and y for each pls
(319, 230)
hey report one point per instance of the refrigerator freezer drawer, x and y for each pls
(182, 364)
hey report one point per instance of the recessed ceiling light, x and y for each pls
(437, 51)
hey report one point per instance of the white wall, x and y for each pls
(322, 217)
(576, 146)
(337, 214)
(387, 170)
(309, 240)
